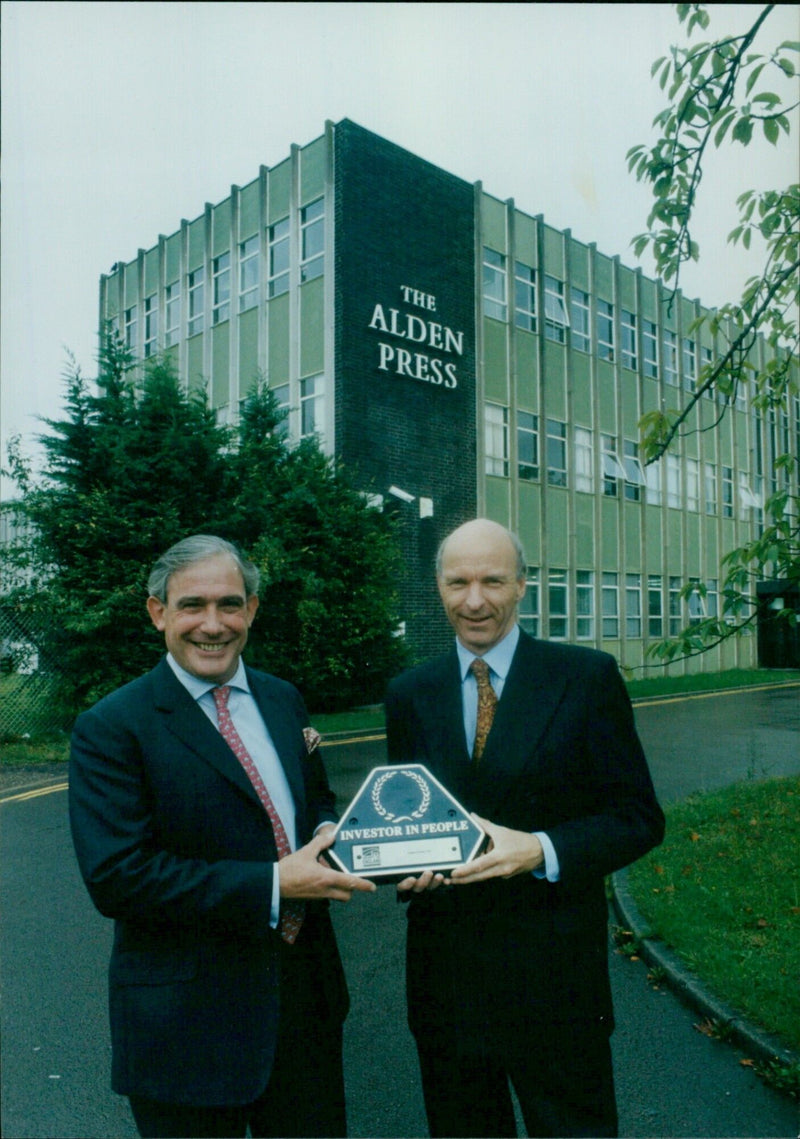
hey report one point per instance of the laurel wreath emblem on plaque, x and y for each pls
(388, 815)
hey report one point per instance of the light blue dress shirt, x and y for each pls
(255, 736)
(499, 660)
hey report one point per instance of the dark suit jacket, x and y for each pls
(562, 757)
(174, 845)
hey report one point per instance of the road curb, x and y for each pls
(759, 1045)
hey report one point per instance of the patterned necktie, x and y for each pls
(487, 702)
(292, 912)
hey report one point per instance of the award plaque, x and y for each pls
(402, 822)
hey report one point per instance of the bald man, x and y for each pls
(507, 973)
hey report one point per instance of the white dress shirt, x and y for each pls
(253, 732)
(499, 659)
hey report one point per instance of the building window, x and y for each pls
(634, 475)
(633, 605)
(747, 499)
(613, 470)
(692, 485)
(610, 592)
(529, 606)
(172, 312)
(652, 474)
(524, 297)
(630, 356)
(673, 481)
(674, 606)
(527, 446)
(222, 288)
(281, 394)
(605, 330)
(557, 599)
(131, 329)
(312, 240)
(655, 606)
(711, 488)
(727, 492)
(689, 365)
(712, 597)
(584, 605)
(196, 301)
(248, 273)
(150, 325)
(669, 357)
(278, 257)
(579, 314)
(496, 443)
(696, 603)
(312, 406)
(649, 349)
(556, 453)
(555, 312)
(706, 360)
(494, 284)
(584, 460)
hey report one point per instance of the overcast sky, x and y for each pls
(119, 119)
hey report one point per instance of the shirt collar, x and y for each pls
(498, 658)
(197, 687)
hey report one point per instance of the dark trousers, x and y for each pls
(305, 1092)
(563, 1079)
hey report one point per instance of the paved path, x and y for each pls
(671, 1080)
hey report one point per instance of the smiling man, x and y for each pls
(198, 805)
(507, 975)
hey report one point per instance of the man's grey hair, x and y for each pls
(197, 549)
(522, 564)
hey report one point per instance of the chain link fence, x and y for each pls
(28, 680)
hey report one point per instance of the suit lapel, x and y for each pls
(530, 697)
(282, 729)
(440, 709)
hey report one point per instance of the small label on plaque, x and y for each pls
(401, 822)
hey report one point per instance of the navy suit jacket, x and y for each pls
(563, 757)
(175, 846)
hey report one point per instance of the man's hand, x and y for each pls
(428, 880)
(509, 853)
(302, 875)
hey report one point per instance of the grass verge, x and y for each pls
(724, 892)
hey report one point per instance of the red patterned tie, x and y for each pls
(487, 702)
(291, 912)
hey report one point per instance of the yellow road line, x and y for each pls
(35, 794)
(645, 703)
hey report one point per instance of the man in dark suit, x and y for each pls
(196, 795)
(507, 973)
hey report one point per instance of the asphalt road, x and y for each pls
(671, 1080)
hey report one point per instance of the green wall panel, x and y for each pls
(603, 282)
(694, 560)
(312, 171)
(173, 259)
(527, 347)
(553, 253)
(609, 535)
(312, 327)
(221, 228)
(497, 500)
(606, 398)
(650, 396)
(584, 531)
(711, 547)
(249, 210)
(151, 272)
(248, 349)
(633, 537)
(197, 243)
(495, 360)
(278, 340)
(525, 238)
(627, 288)
(530, 522)
(493, 223)
(557, 527)
(279, 190)
(674, 542)
(579, 266)
(652, 539)
(131, 284)
(194, 353)
(220, 365)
